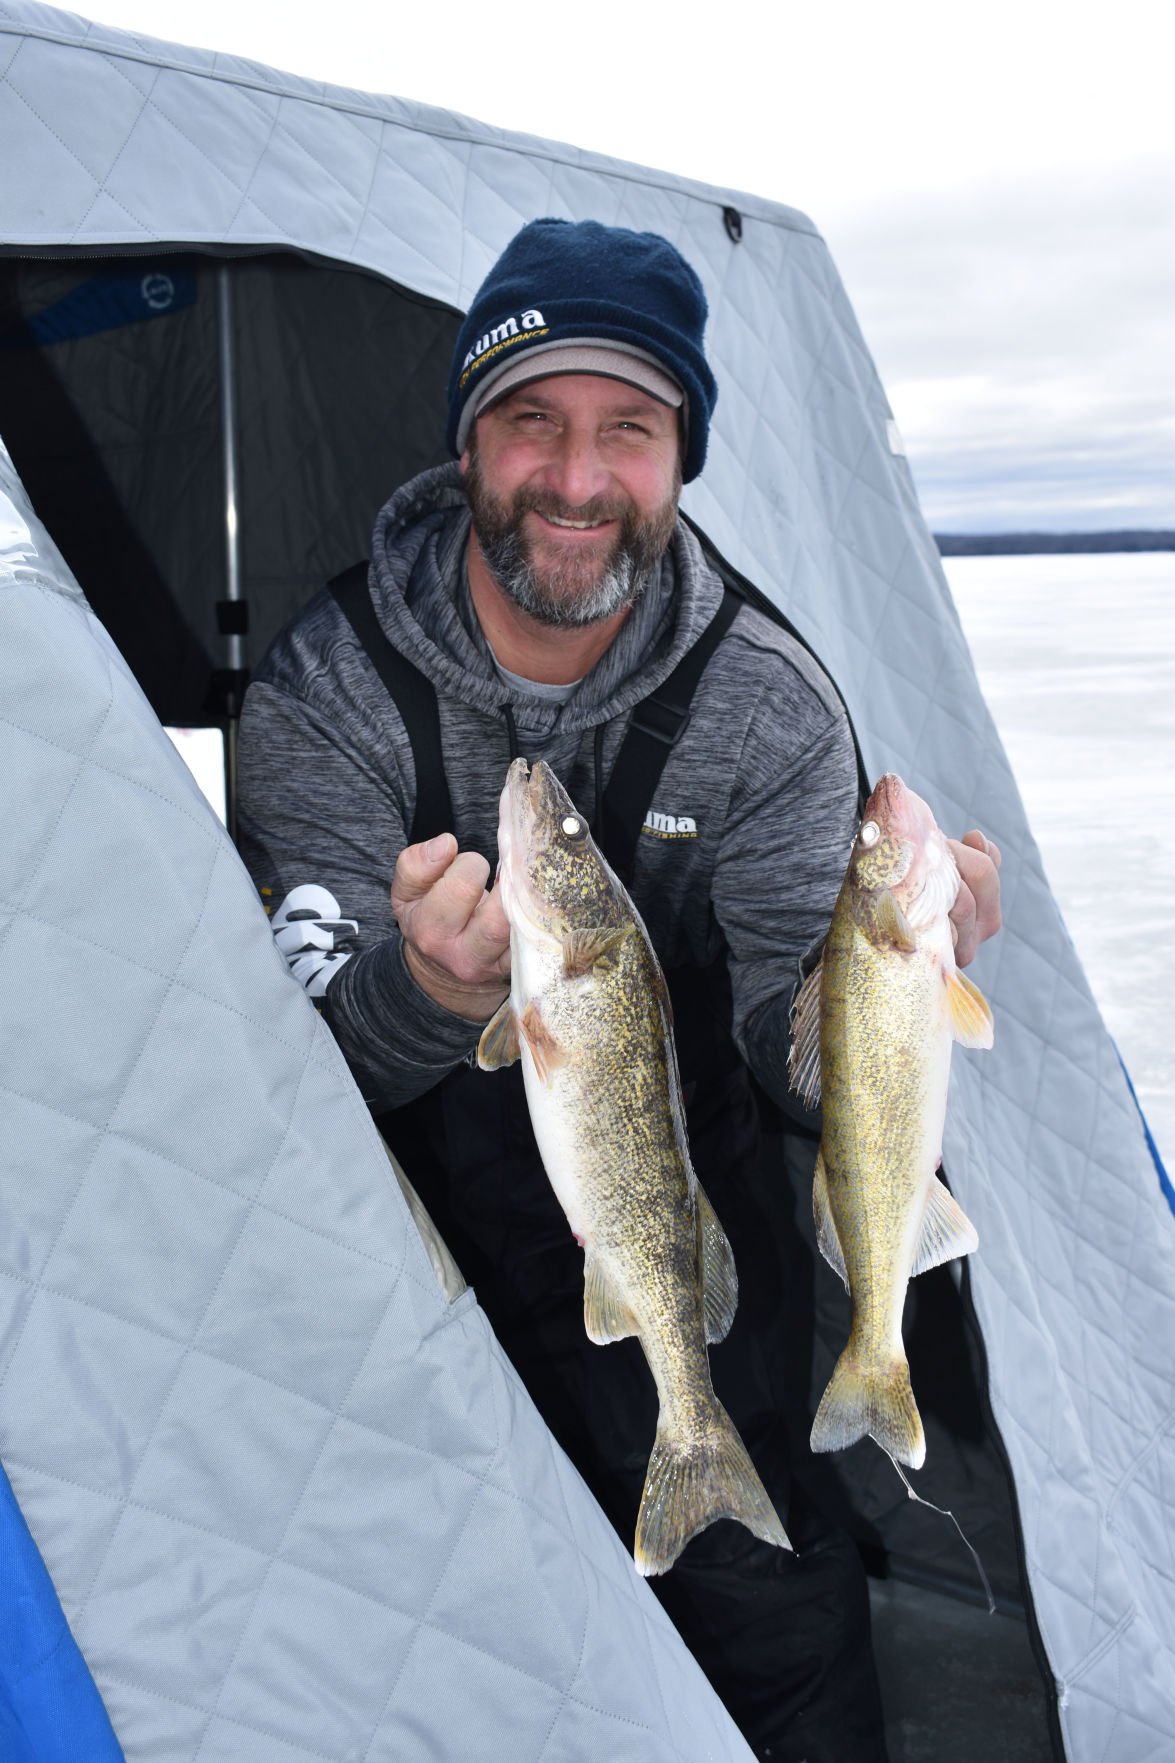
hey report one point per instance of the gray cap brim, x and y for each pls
(614, 361)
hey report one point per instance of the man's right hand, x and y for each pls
(456, 938)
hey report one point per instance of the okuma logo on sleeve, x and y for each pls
(670, 826)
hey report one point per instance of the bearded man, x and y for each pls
(542, 597)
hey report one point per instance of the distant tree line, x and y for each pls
(1014, 544)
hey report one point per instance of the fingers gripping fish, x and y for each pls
(872, 1031)
(588, 1014)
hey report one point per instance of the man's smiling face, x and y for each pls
(573, 484)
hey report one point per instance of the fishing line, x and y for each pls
(943, 1513)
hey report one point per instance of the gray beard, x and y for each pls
(559, 597)
(566, 595)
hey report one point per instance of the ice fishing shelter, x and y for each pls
(294, 1503)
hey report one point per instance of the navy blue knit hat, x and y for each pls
(578, 282)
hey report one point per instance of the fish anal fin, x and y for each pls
(826, 1232)
(947, 1232)
(541, 1044)
(685, 1490)
(874, 1401)
(499, 1039)
(585, 949)
(891, 925)
(606, 1316)
(803, 1061)
(719, 1279)
(970, 1012)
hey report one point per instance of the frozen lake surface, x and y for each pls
(1076, 655)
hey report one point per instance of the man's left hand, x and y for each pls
(975, 915)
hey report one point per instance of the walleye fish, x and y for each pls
(588, 1013)
(872, 1031)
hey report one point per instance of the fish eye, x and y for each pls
(870, 833)
(572, 827)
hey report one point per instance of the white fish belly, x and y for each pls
(552, 1115)
(927, 1159)
(552, 1105)
(906, 1165)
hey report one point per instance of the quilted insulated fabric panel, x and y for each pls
(296, 1505)
(124, 143)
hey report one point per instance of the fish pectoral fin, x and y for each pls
(544, 1049)
(803, 1060)
(719, 1279)
(947, 1232)
(892, 925)
(499, 1039)
(970, 1012)
(826, 1233)
(585, 949)
(606, 1316)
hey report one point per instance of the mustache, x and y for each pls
(546, 503)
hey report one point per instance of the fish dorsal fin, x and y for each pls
(585, 949)
(605, 1314)
(826, 1235)
(803, 1061)
(970, 1012)
(719, 1279)
(499, 1039)
(892, 925)
(947, 1232)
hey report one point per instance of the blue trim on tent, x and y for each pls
(1164, 1178)
(106, 302)
(50, 1709)
(1156, 1157)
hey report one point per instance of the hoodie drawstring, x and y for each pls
(598, 816)
(511, 732)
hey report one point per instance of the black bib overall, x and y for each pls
(783, 1638)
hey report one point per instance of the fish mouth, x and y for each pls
(524, 810)
(531, 798)
(548, 799)
(897, 812)
(928, 888)
(890, 803)
(554, 879)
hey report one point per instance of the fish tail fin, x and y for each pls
(870, 1399)
(687, 1488)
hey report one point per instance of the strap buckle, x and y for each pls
(660, 719)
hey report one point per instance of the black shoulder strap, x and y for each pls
(657, 725)
(414, 697)
(758, 601)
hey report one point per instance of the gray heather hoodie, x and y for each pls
(743, 851)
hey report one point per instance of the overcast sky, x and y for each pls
(996, 183)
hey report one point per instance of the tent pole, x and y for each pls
(232, 613)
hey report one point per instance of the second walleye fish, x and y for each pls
(873, 1028)
(588, 1013)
